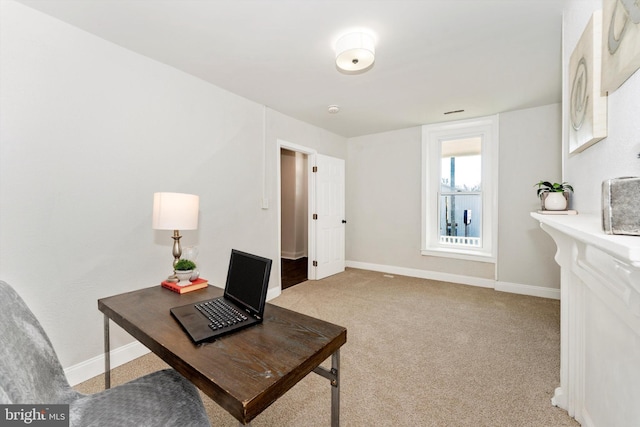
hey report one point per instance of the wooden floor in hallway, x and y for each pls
(294, 271)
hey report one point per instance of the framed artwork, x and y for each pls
(620, 42)
(587, 108)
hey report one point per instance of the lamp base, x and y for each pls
(177, 249)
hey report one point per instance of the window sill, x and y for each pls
(459, 254)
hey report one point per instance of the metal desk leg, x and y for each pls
(335, 390)
(334, 376)
(107, 355)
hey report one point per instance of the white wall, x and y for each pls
(530, 142)
(384, 206)
(616, 155)
(88, 132)
(294, 204)
(384, 213)
(288, 202)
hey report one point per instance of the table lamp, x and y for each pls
(175, 211)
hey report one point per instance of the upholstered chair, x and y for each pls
(30, 373)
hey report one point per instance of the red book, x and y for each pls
(199, 283)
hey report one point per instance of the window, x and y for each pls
(459, 177)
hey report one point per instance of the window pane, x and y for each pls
(461, 166)
(461, 219)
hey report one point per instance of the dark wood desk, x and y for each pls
(244, 372)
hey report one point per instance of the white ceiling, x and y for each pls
(432, 56)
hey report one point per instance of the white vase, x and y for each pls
(554, 201)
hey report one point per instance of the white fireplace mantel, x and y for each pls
(600, 321)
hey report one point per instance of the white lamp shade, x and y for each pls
(355, 51)
(175, 211)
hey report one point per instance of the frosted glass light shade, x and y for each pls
(355, 51)
(175, 211)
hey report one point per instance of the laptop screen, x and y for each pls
(247, 280)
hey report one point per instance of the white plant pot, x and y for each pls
(183, 276)
(555, 201)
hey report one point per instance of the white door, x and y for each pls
(329, 221)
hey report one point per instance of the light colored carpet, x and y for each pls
(418, 353)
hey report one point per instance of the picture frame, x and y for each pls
(587, 107)
(620, 42)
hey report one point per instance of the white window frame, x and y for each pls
(432, 136)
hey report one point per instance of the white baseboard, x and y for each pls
(516, 288)
(423, 274)
(535, 291)
(293, 255)
(273, 292)
(95, 366)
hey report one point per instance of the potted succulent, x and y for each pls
(184, 269)
(554, 197)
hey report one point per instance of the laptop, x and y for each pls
(245, 293)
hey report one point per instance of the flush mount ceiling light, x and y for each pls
(355, 52)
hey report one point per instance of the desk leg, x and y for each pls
(107, 354)
(335, 390)
(334, 376)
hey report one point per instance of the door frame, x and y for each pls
(311, 197)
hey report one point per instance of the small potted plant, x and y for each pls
(554, 197)
(184, 269)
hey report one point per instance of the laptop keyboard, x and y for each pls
(220, 314)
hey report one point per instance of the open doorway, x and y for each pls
(315, 187)
(294, 206)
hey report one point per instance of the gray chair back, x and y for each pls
(30, 372)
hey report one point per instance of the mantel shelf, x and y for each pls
(588, 229)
